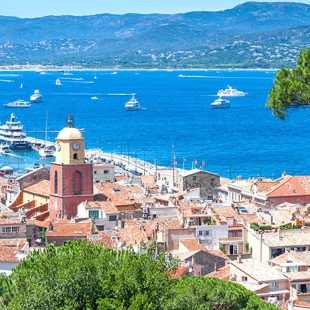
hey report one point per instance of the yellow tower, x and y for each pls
(70, 147)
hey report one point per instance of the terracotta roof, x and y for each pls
(222, 273)
(11, 222)
(107, 206)
(193, 245)
(265, 185)
(41, 188)
(70, 229)
(178, 272)
(297, 257)
(290, 186)
(226, 212)
(304, 304)
(8, 254)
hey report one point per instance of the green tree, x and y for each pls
(292, 87)
(86, 276)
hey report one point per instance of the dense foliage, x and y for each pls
(292, 87)
(86, 276)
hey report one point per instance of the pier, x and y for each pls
(36, 141)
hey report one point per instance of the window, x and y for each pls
(233, 249)
(112, 218)
(75, 156)
(94, 214)
(77, 183)
(243, 278)
(105, 171)
(56, 182)
(194, 178)
(273, 285)
(95, 172)
(200, 232)
(206, 232)
(15, 229)
(100, 227)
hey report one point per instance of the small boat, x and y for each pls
(18, 104)
(42, 72)
(230, 92)
(5, 149)
(114, 72)
(47, 151)
(36, 96)
(95, 77)
(94, 98)
(220, 103)
(21, 85)
(58, 82)
(133, 104)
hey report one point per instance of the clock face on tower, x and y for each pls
(76, 146)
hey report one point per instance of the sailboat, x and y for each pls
(47, 150)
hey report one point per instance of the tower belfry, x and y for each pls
(71, 178)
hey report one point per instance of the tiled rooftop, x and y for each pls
(41, 188)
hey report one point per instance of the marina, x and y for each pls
(179, 115)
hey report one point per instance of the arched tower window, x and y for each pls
(77, 183)
(75, 156)
(56, 182)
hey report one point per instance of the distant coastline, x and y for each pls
(78, 68)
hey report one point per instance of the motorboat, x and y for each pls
(5, 149)
(220, 103)
(133, 104)
(94, 98)
(230, 92)
(36, 96)
(58, 82)
(47, 151)
(18, 104)
(12, 134)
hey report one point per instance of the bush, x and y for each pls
(87, 276)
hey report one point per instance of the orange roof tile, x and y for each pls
(193, 245)
(226, 212)
(41, 188)
(178, 272)
(222, 273)
(70, 229)
(290, 186)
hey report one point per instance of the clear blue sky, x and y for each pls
(35, 8)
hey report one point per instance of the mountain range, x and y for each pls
(251, 35)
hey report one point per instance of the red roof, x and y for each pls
(41, 188)
(290, 186)
(178, 272)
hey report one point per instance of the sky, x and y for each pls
(37, 8)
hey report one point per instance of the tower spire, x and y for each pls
(70, 122)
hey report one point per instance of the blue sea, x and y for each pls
(244, 140)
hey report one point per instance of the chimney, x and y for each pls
(239, 178)
(283, 174)
(50, 226)
(215, 267)
(239, 259)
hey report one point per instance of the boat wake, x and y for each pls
(119, 94)
(7, 81)
(193, 76)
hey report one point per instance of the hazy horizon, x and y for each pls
(34, 8)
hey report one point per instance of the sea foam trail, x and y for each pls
(120, 94)
(7, 81)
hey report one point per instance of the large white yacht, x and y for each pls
(230, 92)
(220, 103)
(11, 133)
(36, 96)
(133, 104)
(18, 104)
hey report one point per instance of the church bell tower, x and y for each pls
(71, 179)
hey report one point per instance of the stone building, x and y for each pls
(206, 181)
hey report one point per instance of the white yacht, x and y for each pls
(11, 133)
(133, 104)
(36, 96)
(48, 151)
(94, 98)
(58, 82)
(231, 92)
(220, 103)
(18, 104)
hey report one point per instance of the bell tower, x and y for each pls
(71, 179)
